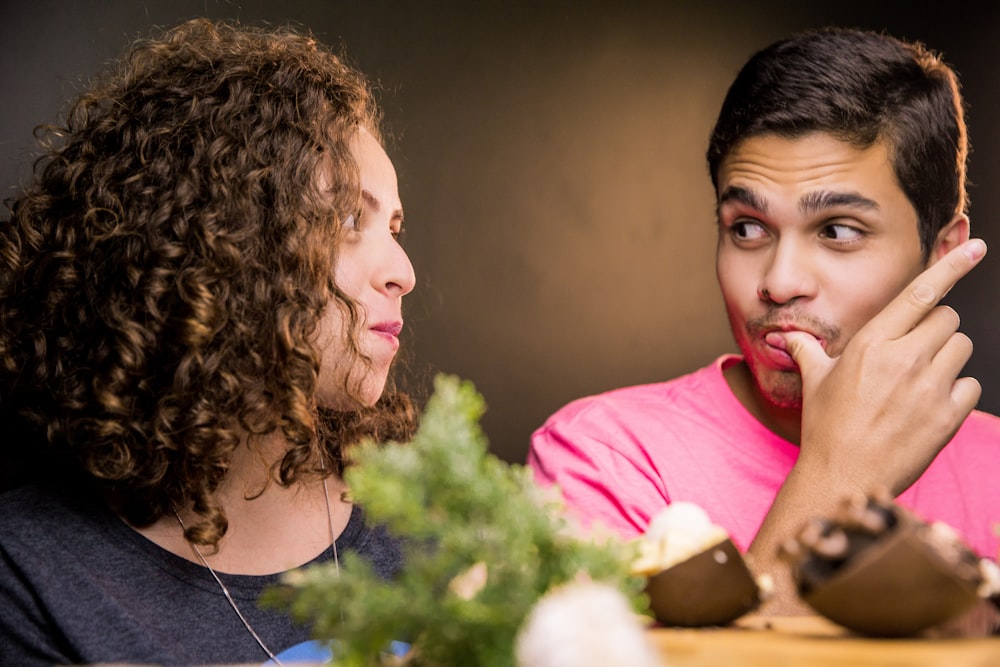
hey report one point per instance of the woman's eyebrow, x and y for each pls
(371, 200)
(376, 205)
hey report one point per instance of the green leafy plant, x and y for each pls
(482, 544)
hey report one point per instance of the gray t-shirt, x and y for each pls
(78, 586)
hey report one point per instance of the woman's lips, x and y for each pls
(391, 328)
(388, 331)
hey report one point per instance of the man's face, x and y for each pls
(814, 235)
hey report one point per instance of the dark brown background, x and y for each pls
(550, 157)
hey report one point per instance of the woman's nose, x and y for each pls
(398, 277)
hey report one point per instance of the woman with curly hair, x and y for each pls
(200, 301)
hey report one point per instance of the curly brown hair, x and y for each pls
(163, 275)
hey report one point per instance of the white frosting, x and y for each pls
(679, 531)
(991, 578)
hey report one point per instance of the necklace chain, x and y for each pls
(229, 597)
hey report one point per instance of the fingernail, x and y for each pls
(975, 249)
(776, 340)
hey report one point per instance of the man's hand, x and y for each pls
(877, 415)
(893, 398)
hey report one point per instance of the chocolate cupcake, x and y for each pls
(879, 570)
(695, 574)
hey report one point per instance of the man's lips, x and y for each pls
(772, 325)
(775, 348)
(776, 338)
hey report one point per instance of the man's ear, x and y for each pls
(952, 235)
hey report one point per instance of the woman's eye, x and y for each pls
(352, 222)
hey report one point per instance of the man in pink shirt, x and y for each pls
(839, 161)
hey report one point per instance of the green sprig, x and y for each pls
(462, 513)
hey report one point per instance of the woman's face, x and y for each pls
(374, 271)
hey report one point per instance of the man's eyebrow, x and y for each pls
(811, 202)
(745, 196)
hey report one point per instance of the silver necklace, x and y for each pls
(225, 591)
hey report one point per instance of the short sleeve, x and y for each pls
(600, 484)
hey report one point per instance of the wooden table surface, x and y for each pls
(808, 641)
(801, 641)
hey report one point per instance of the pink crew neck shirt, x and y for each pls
(620, 457)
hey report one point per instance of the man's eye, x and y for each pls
(842, 233)
(747, 231)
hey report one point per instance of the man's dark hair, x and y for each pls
(862, 87)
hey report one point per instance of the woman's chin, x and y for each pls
(373, 387)
(362, 395)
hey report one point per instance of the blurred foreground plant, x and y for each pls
(482, 544)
